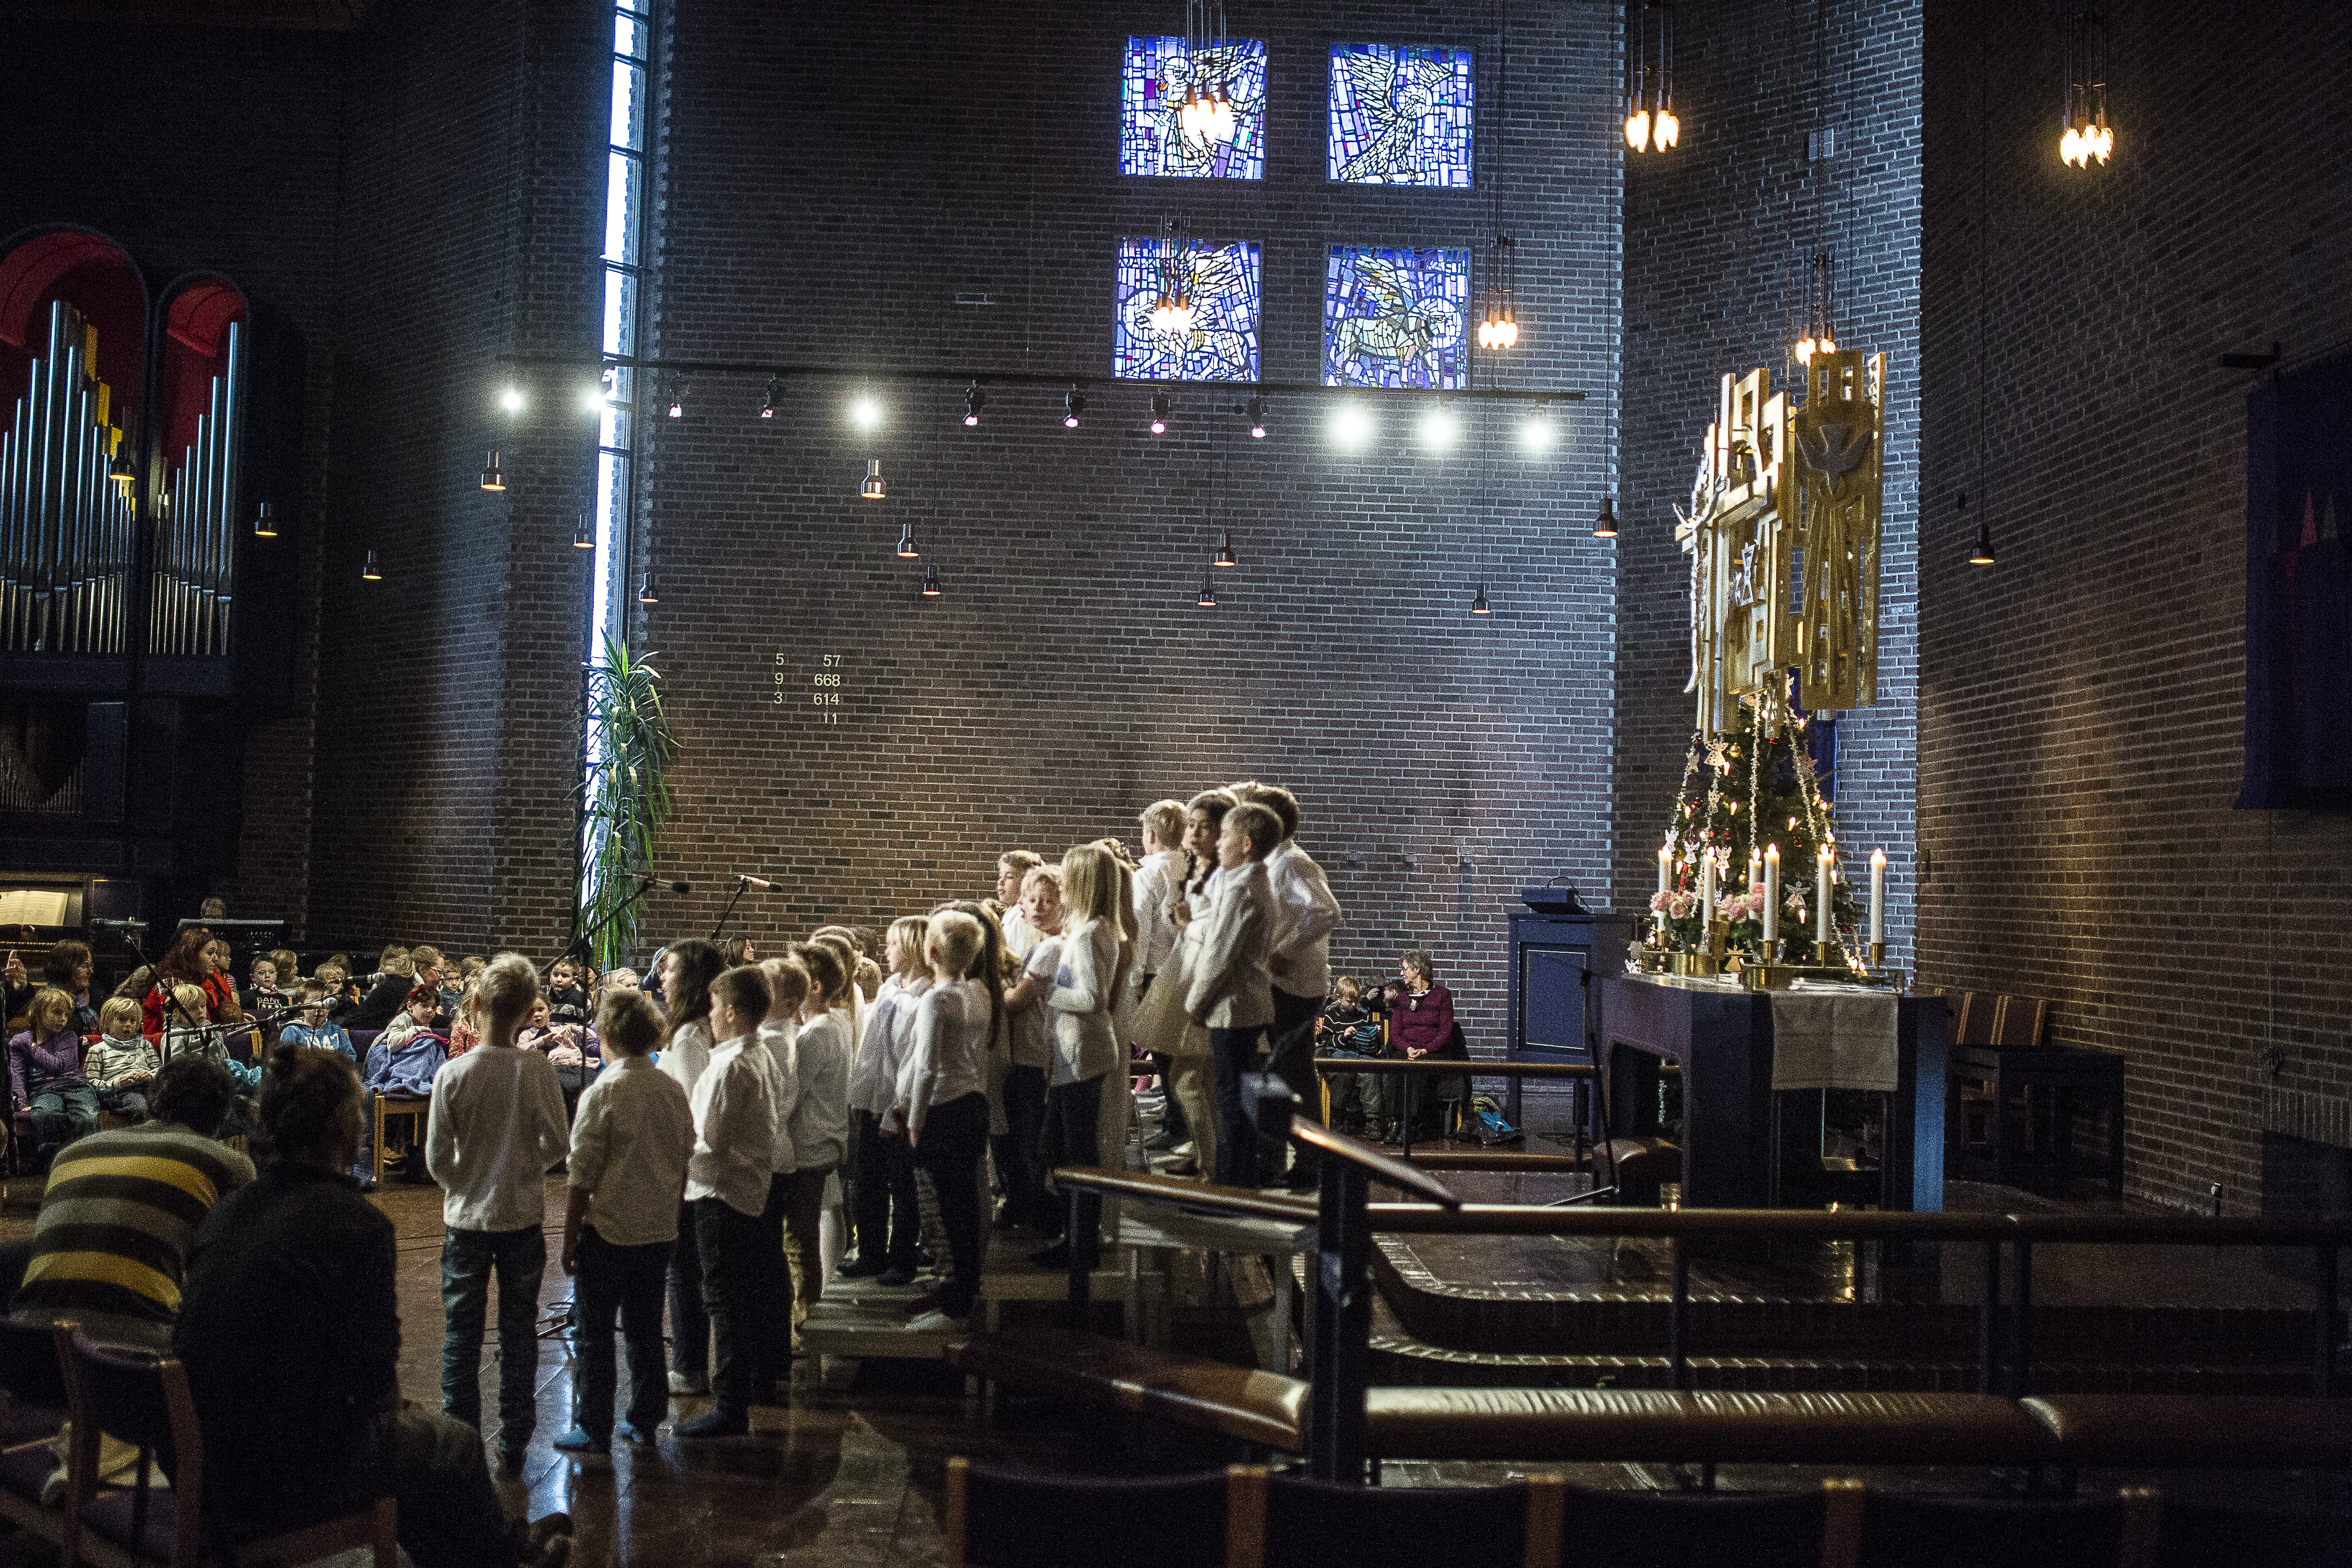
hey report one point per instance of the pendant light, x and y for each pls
(1819, 332)
(1982, 555)
(973, 401)
(1478, 605)
(774, 399)
(492, 479)
(907, 548)
(1605, 525)
(265, 521)
(1208, 599)
(930, 581)
(584, 533)
(647, 594)
(120, 470)
(677, 401)
(1650, 121)
(368, 571)
(1256, 411)
(875, 488)
(1225, 556)
(1160, 414)
(2082, 118)
(1073, 406)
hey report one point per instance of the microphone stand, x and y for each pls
(742, 886)
(580, 943)
(171, 1001)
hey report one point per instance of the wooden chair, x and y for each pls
(995, 1517)
(391, 1108)
(1866, 1529)
(32, 1410)
(144, 1400)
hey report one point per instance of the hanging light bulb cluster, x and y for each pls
(1817, 333)
(1173, 313)
(2083, 120)
(1650, 121)
(1206, 115)
(1498, 326)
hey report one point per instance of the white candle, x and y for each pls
(1772, 894)
(1822, 896)
(1877, 896)
(1755, 869)
(1706, 894)
(1665, 861)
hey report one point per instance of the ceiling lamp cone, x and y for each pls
(1225, 556)
(584, 533)
(368, 571)
(774, 398)
(930, 581)
(907, 550)
(973, 401)
(1982, 555)
(120, 471)
(492, 479)
(1073, 406)
(265, 521)
(1256, 411)
(875, 488)
(1208, 599)
(1605, 525)
(1160, 414)
(1478, 605)
(1637, 129)
(647, 592)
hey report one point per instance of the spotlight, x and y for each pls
(492, 479)
(597, 398)
(120, 470)
(973, 401)
(584, 533)
(874, 488)
(1536, 432)
(678, 403)
(512, 400)
(1605, 525)
(1352, 427)
(1225, 551)
(1440, 429)
(866, 413)
(370, 572)
(1478, 605)
(1071, 406)
(265, 521)
(1982, 555)
(775, 397)
(1208, 599)
(1160, 414)
(906, 551)
(646, 593)
(930, 581)
(1257, 412)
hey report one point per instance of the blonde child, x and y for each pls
(630, 1142)
(496, 1125)
(1231, 991)
(727, 1180)
(687, 968)
(1013, 868)
(940, 1102)
(44, 1069)
(1023, 1094)
(122, 1064)
(1097, 937)
(788, 989)
(882, 1188)
(820, 1120)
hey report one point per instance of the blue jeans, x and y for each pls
(61, 1115)
(468, 1260)
(626, 1281)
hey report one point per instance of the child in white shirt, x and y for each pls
(820, 1120)
(941, 1103)
(883, 1200)
(1019, 1150)
(727, 1179)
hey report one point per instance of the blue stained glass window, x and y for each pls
(1221, 343)
(1394, 317)
(1400, 116)
(1159, 73)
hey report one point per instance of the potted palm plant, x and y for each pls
(625, 800)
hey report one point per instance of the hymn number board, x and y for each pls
(826, 683)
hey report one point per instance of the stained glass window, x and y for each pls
(1394, 317)
(1220, 285)
(1160, 73)
(1400, 116)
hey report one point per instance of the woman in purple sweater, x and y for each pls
(1420, 1024)
(45, 1072)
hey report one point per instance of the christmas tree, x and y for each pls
(1744, 793)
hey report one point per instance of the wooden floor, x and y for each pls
(849, 1472)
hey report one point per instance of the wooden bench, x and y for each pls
(1998, 1055)
(2220, 1431)
(1262, 1408)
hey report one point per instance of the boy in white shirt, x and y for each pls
(727, 1181)
(941, 1103)
(1013, 868)
(788, 985)
(1158, 881)
(1299, 959)
(1231, 993)
(630, 1140)
(496, 1125)
(820, 1119)
(1016, 1151)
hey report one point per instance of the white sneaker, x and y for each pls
(936, 1322)
(681, 1383)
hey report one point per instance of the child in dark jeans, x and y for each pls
(1349, 1028)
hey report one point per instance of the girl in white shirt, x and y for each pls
(941, 1100)
(820, 1120)
(687, 968)
(1097, 937)
(882, 1188)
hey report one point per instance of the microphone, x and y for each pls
(672, 887)
(747, 877)
(133, 924)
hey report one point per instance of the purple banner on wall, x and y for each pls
(2299, 591)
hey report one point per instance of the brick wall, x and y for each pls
(831, 182)
(2081, 702)
(1715, 232)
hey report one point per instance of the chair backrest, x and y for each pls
(1910, 1530)
(1016, 1519)
(28, 1363)
(2019, 1021)
(143, 1400)
(361, 1039)
(1667, 1530)
(1390, 1527)
(1975, 1025)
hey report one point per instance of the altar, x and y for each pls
(1722, 1038)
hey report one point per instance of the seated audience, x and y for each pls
(1349, 1028)
(68, 968)
(122, 1064)
(111, 1247)
(45, 1071)
(191, 960)
(265, 996)
(290, 1332)
(571, 1049)
(567, 998)
(407, 1055)
(404, 973)
(312, 1030)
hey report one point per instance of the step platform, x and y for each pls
(859, 1318)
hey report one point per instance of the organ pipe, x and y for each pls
(195, 536)
(65, 527)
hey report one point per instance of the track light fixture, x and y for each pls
(492, 479)
(265, 521)
(1225, 551)
(368, 571)
(584, 533)
(1982, 555)
(907, 550)
(511, 399)
(1536, 432)
(1071, 406)
(1441, 427)
(874, 488)
(677, 401)
(775, 397)
(1255, 410)
(1208, 599)
(866, 411)
(1478, 605)
(646, 593)
(120, 470)
(1160, 414)
(1605, 525)
(604, 394)
(975, 400)
(930, 581)
(1352, 427)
